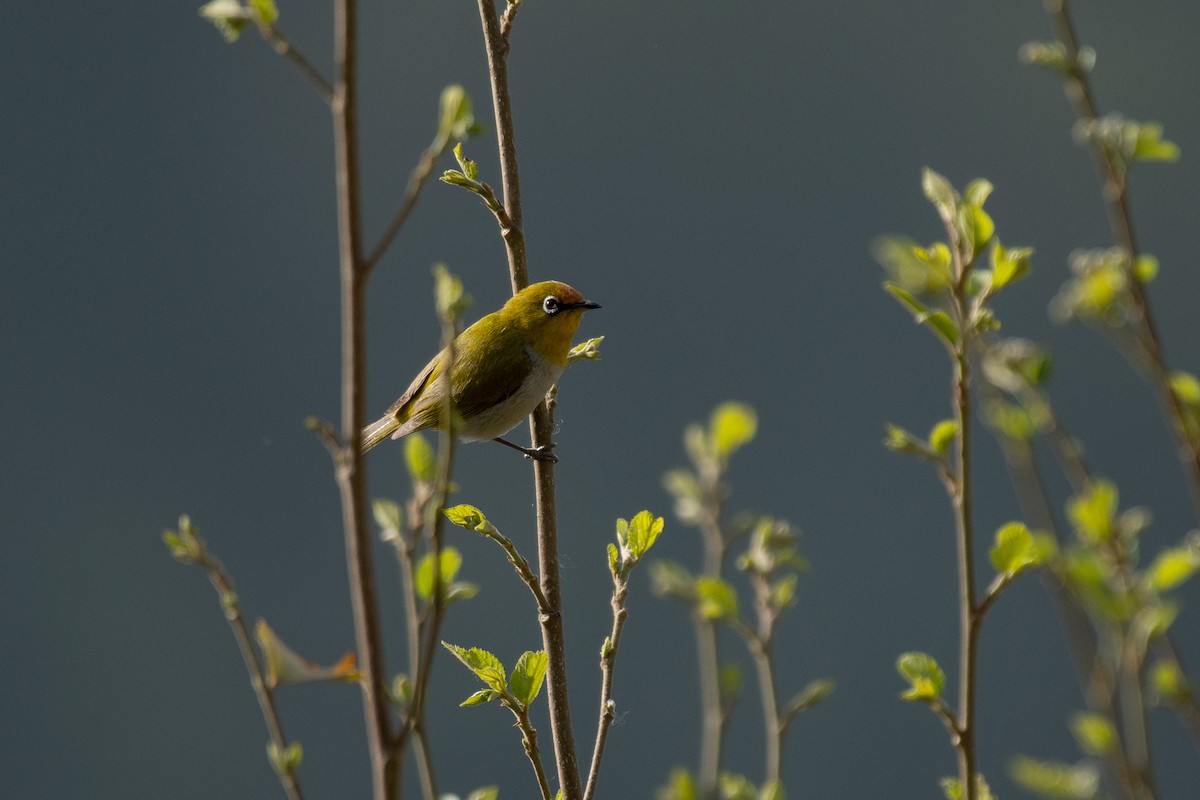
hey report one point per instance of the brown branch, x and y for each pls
(608, 658)
(284, 47)
(1115, 185)
(541, 423)
(349, 466)
(266, 698)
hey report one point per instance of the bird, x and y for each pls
(503, 367)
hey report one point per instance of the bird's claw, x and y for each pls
(543, 453)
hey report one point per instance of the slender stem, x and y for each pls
(496, 42)
(266, 698)
(1116, 196)
(529, 742)
(351, 474)
(541, 423)
(959, 487)
(284, 47)
(416, 181)
(714, 716)
(760, 652)
(608, 658)
(712, 724)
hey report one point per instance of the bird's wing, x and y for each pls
(488, 369)
(414, 390)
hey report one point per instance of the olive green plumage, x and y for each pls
(503, 366)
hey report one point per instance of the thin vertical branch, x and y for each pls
(351, 475)
(969, 619)
(541, 422)
(958, 484)
(608, 658)
(713, 712)
(266, 698)
(1116, 196)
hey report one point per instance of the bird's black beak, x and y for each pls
(584, 304)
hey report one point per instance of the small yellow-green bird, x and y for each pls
(504, 365)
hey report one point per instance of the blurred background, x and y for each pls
(713, 174)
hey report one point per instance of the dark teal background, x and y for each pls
(713, 174)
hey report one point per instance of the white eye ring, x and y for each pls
(550, 305)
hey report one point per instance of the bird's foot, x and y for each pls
(543, 453)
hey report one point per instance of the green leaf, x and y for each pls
(1053, 779)
(938, 320)
(952, 788)
(717, 599)
(941, 193)
(1092, 512)
(902, 441)
(469, 517)
(1172, 568)
(423, 575)
(670, 579)
(1050, 55)
(285, 760)
(1018, 549)
(485, 793)
(461, 591)
(229, 17)
(1094, 732)
(977, 192)
(526, 679)
(1145, 268)
(772, 790)
(732, 426)
(1009, 265)
(926, 679)
(1150, 146)
(388, 516)
(783, 591)
(402, 690)
(736, 787)
(455, 118)
(470, 170)
(585, 351)
(729, 682)
(1009, 420)
(485, 665)
(680, 786)
(942, 436)
(977, 227)
(1169, 683)
(809, 696)
(917, 269)
(643, 531)
(418, 455)
(479, 698)
(265, 10)
(449, 297)
(1186, 387)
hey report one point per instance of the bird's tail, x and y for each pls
(377, 431)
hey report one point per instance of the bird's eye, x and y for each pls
(550, 305)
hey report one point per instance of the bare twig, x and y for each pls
(284, 47)
(266, 699)
(416, 181)
(608, 658)
(351, 475)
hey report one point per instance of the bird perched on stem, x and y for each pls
(503, 367)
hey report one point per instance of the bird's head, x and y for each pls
(547, 315)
